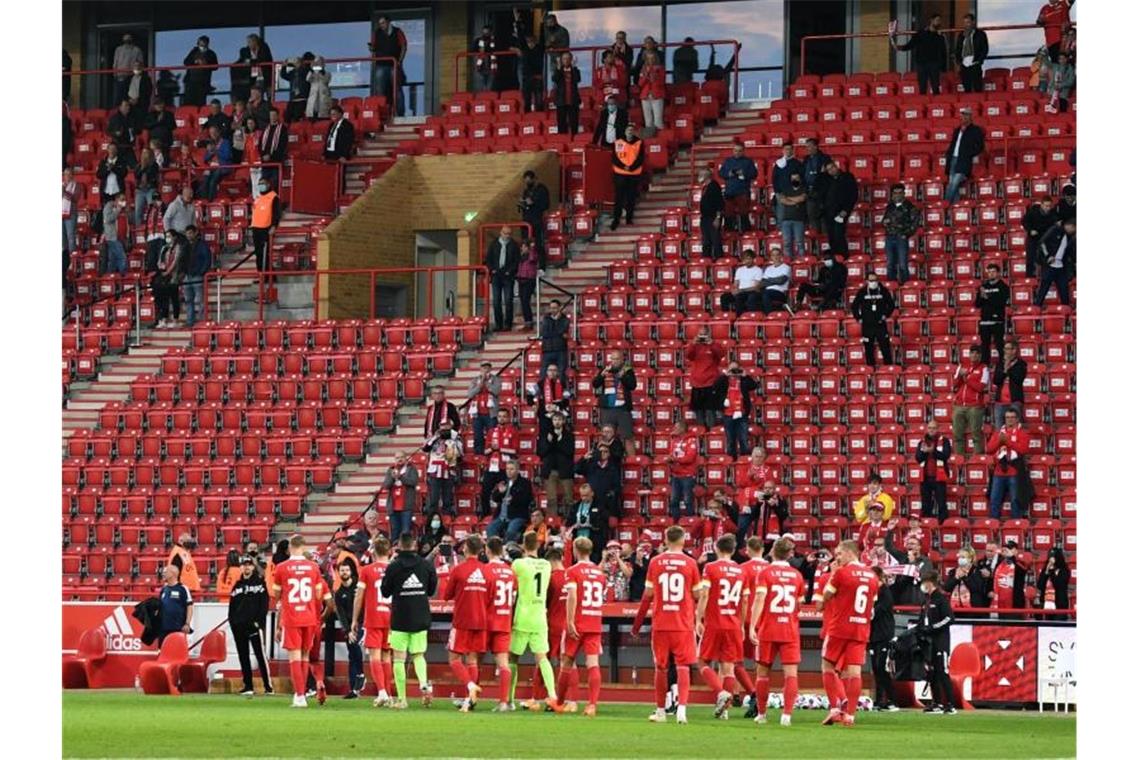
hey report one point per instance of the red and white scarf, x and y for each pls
(734, 399)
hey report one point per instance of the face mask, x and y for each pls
(263, 188)
(201, 47)
(611, 108)
(828, 262)
(963, 562)
(435, 524)
(873, 285)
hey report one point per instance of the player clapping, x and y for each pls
(775, 628)
(718, 622)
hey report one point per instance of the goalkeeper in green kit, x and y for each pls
(529, 629)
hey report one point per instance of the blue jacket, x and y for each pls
(734, 185)
(782, 178)
(812, 166)
(223, 152)
(201, 261)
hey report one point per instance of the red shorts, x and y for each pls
(737, 204)
(586, 643)
(376, 638)
(723, 646)
(498, 642)
(463, 641)
(789, 652)
(301, 638)
(844, 652)
(554, 639)
(681, 644)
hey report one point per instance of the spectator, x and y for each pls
(483, 401)
(196, 81)
(614, 385)
(990, 562)
(712, 215)
(530, 62)
(235, 130)
(296, 73)
(1039, 219)
(929, 48)
(502, 259)
(256, 69)
(1057, 257)
(216, 116)
(567, 99)
(219, 155)
(551, 396)
(1069, 45)
(612, 124)
(399, 489)
(603, 473)
(533, 205)
(623, 52)
(992, 299)
(648, 45)
(521, 29)
(1007, 448)
(389, 42)
(73, 192)
(971, 382)
(612, 77)
(786, 165)
(1053, 584)
(1054, 16)
(266, 217)
(618, 571)
(965, 584)
(686, 62)
(879, 644)
(792, 205)
(251, 136)
(146, 184)
(967, 142)
(344, 599)
(538, 525)
(341, 136)
(933, 454)
(115, 231)
(126, 57)
(159, 124)
(829, 284)
(703, 358)
(181, 213)
(746, 283)
(1059, 84)
(752, 475)
(651, 91)
(841, 192)
(1067, 208)
(765, 513)
(319, 103)
(714, 523)
(199, 261)
(588, 519)
(912, 564)
(502, 446)
(445, 453)
(971, 50)
(901, 220)
(556, 450)
(154, 233)
(527, 279)
(439, 409)
(609, 440)
(776, 279)
(875, 495)
(873, 306)
(876, 526)
(555, 40)
(1009, 579)
(1009, 381)
(738, 172)
(176, 605)
(733, 392)
(683, 460)
(485, 62)
(814, 164)
(272, 145)
(248, 605)
(511, 503)
(639, 561)
(122, 130)
(627, 161)
(168, 280)
(258, 107)
(183, 561)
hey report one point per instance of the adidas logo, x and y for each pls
(120, 636)
(476, 577)
(412, 583)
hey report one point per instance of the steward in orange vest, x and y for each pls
(627, 161)
(266, 215)
(180, 558)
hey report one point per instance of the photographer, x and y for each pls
(639, 561)
(933, 454)
(603, 473)
(765, 514)
(934, 631)
(1053, 584)
(587, 519)
(249, 603)
(966, 584)
(702, 361)
(296, 73)
(733, 393)
(614, 385)
(882, 631)
(618, 572)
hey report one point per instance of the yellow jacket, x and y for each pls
(862, 504)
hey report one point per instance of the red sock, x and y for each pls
(711, 679)
(854, 688)
(378, 675)
(563, 683)
(744, 678)
(462, 674)
(389, 677)
(763, 685)
(537, 687)
(572, 692)
(473, 673)
(729, 684)
(504, 684)
(834, 688)
(791, 691)
(594, 675)
(682, 684)
(297, 673)
(660, 685)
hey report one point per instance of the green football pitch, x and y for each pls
(125, 724)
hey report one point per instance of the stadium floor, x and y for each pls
(125, 724)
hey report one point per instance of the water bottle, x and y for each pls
(138, 684)
(633, 675)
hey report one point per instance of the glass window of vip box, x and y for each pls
(337, 40)
(1011, 48)
(172, 48)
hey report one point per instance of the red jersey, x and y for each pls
(589, 584)
(502, 590)
(783, 587)
(855, 587)
(1054, 16)
(556, 600)
(725, 580)
(377, 607)
(684, 452)
(468, 587)
(301, 585)
(675, 579)
(752, 570)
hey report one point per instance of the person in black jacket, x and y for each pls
(829, 283)
(929, 48)
(934, 630)
(502, 259)
(879, 645)
(511, 503)
(611, 124)
(556, 450)
(437, 409)
(343, 601)
(841, 193)
(967, 142)
(533, 205)
(873, 306)
(341, 136)
(1039, 219)
(933, 454)
(567, 99)
(122, 130)
(1053, 584)
(1009, 380)
(1057, 256)
(410, 582)
(196, 82)
(992, 299)
(587, 518)
(614, 385)
(970, 51)
(1067, 207)
(737, 409)
(603, 473)
(965, 584)
(554, 330)
(712, 215)
(551, 396)
(249, 603)
(257, 71)
(296, 73)
(159, 124)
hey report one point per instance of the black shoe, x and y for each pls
(351, 695)
(614, 224)
(949, 710)
(737, 701)
(932, 709)
(752, 711)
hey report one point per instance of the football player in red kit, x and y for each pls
(501, 592)
(718, 622)
(752, 568)
(300, 584)
(585, 595)
(467, 589)
(847, 605)
(775, 628)
(672, 585)
(377, 610)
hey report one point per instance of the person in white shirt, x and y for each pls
(745, 296)
(775, 279)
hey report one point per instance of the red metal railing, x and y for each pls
(819, 37)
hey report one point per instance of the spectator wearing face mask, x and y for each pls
(901, 220)
(839, 192)
(733, 391)
(266, 217)
(196, 81)
(126, 56)
(873, 306)
(828, 285)
(167, 282)
(567, 99)
(792, 204)
(199, 261)
(712, 215)
(965, 584)
(611, 125)
(933, 454)
(1053, 584)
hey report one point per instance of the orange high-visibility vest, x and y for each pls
(627, 154)
(263, 211)
(189, 576)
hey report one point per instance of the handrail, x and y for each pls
(864, 35)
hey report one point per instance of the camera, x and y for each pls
(445, 550)
(710, 556)
(928, 438)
